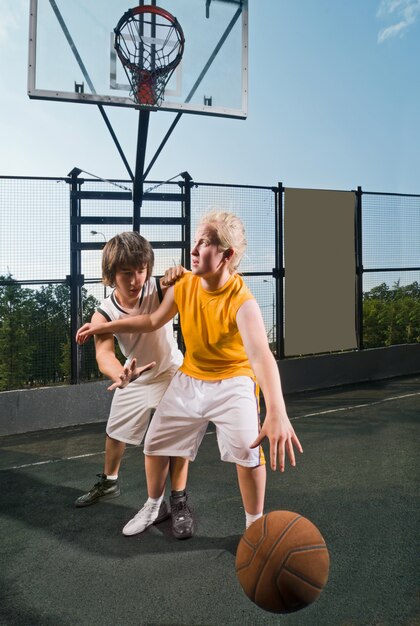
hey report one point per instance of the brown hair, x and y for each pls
(126, 250)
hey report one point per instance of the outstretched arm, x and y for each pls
(137, 323)
(108, 363)
(276, 427)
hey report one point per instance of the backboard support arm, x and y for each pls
(195, 87)
(89, 82)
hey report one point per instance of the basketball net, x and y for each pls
(149, 42)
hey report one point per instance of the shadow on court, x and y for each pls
(357, 481)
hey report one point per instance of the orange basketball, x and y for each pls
(282, 562)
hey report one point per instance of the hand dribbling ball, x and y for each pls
(282, 562)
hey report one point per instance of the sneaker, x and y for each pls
(104, 489)
(182, 519)
(147, 516)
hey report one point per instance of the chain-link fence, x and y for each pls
(35, 263)
(391, 269)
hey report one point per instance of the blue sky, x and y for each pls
(334, 95)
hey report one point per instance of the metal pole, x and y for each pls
(186, 214)
(274, 315)
(359, 268)
(139, 173)
(76, 278)
(278, 271)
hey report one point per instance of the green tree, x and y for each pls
(35, 335)
(391, 315)
(51, 328)
(89, 368)
(16, 315)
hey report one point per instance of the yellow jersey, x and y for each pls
(214, 348)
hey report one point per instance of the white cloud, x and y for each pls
(403, 13)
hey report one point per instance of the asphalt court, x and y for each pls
(357, 481)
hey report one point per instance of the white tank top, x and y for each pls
(159, 345)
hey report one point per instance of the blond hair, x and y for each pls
(229, 232)
(127, 249)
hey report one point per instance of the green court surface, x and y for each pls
(357, 481)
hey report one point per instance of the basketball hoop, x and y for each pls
(149, 42)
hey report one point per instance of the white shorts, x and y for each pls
(132, 407)
(188, 406)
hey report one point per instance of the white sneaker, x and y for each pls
(148, 515)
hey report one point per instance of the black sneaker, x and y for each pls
(182, 519)
(104, 489)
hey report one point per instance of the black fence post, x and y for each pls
(139, 172)
(278, 271)
(359, 269)
(76, 278)
(186, 214)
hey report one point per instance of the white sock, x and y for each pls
(251, 518)
(111, 476)
(155, 502)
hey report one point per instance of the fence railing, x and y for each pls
(39, 241)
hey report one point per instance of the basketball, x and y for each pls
(282, 562)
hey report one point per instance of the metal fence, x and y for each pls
(52, 231)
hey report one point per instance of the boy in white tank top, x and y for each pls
(152, 359)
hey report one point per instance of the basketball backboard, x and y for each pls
(72, 56)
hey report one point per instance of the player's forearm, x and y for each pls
(136, 323)
(268, 377)
(109, 366)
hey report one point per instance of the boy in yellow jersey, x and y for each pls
(227, 353)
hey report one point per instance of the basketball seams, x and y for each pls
(302, 579)
(273, 547)
(284, 567)
(255, 546)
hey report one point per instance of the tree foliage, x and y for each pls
(35, 335)
(391, 315)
